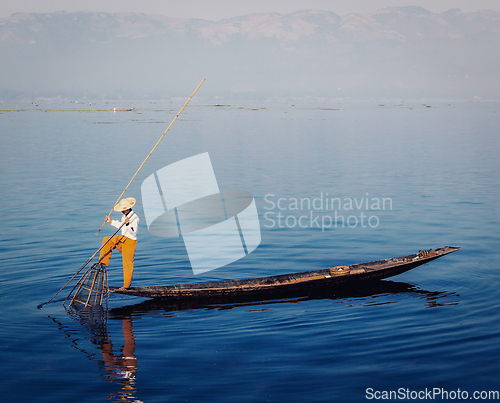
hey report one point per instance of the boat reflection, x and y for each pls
(368, 293)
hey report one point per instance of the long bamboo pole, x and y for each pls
(151, 152)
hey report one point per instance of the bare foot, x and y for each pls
(122, 288)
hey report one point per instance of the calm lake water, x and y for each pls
(435, 328)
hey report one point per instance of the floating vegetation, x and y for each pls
(381, 105)
(215, 105)
(324, 109)
(142, 121)
(103, 123)
(68, 110)
(78, 110)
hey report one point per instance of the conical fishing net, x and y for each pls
(91, 289)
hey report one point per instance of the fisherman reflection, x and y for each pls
(121, 366)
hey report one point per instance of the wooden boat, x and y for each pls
(290, 283)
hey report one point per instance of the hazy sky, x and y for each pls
(219, 9)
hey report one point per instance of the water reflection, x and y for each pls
(119, 367)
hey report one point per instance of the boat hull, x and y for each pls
(290, 284)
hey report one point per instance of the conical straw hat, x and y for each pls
(125, 204)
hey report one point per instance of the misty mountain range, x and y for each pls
(400, 52)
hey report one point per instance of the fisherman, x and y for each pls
(125, 243)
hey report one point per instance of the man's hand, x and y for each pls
(127, 220)
(107, 219)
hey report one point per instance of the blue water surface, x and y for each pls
(434, 328)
